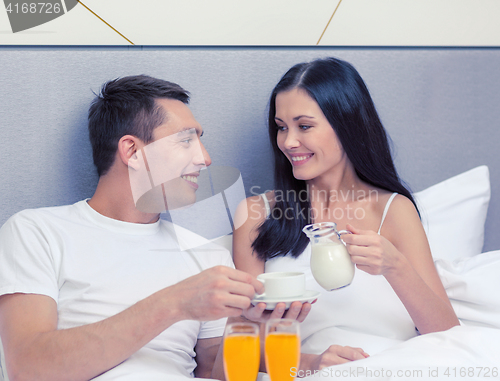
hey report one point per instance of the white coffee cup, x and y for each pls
(280, 285)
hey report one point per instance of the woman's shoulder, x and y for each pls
(403, 205)
(382, 199)
(268, 197)
(254, 209)
(386, 207)
(401, 215)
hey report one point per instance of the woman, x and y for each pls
(329, 143)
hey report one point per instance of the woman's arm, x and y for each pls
(247, 260)
(250, 214)
(206, 354)
(402, 254)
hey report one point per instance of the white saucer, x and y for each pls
(308, 296)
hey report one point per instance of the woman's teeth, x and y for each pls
(300, 158)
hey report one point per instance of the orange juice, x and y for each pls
(282, 354)
(241, 357)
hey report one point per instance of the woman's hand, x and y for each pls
(334, 355)
(371, 252)
(258, 313)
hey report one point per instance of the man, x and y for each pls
(100, 289)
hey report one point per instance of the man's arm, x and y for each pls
(36, 350)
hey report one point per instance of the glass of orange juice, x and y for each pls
(282, 349)
(241, 351)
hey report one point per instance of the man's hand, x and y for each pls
(216, 293)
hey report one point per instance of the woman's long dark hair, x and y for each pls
(344, 99)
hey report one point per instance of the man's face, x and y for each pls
(170, 165)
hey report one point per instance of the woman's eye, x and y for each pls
(280, 128)
(186, 141)
(304, 127)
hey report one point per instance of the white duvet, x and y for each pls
(461, 353)
(467, 352)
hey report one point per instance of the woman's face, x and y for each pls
(306, 137)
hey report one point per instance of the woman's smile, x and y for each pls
(300, 158)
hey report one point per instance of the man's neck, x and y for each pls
(113, 198)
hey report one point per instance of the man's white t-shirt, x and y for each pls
(95, 267)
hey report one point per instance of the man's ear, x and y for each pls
(128, 146)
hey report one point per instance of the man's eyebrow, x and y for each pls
(191, 130)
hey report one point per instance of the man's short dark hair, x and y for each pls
(127, 106)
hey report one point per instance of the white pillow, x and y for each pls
(472, 285)
(453, 214)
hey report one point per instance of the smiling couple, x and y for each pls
(86, 294)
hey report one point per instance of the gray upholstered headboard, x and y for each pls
(439, 105)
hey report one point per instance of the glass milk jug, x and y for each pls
(331, 264)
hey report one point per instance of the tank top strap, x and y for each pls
(386, 209)
(266, 204)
